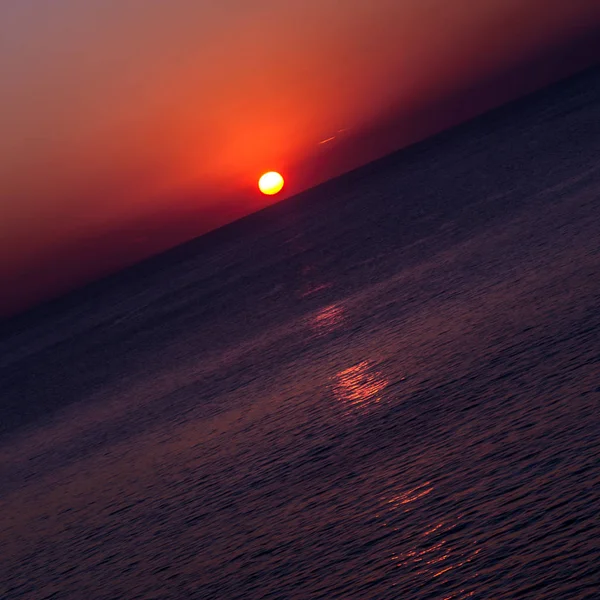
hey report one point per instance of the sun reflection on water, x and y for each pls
(327, 319)
(411, 495)
(436, 553)
(360, 386)
(312, 282)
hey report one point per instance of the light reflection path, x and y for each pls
(360, 386)
(437, 556)
(327, 319)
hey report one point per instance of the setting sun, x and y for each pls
(270, 183)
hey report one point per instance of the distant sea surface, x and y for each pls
(386, 387)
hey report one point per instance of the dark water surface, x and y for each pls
(388, 387)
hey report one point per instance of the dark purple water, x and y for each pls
(388, 387)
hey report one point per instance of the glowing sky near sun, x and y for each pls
(130, 125)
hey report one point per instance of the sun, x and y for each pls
(270, 183)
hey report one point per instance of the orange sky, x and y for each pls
(130, 125)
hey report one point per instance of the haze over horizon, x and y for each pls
(129, 127)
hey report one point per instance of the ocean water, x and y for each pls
(387, 387)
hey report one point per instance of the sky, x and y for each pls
(128, 126)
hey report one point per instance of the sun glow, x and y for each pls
(270, 183)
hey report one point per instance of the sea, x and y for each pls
(386, 387)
